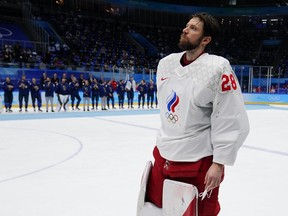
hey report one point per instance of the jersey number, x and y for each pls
(228, 82)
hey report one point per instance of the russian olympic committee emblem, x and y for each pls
(172, 102)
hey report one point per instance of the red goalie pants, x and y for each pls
(188, 172)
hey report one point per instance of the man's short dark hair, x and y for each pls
(211, 26)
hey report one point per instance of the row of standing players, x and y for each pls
(92, 91)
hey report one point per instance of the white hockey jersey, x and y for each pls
(201, 108)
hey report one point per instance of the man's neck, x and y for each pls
(191, 55)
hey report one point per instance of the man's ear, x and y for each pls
(206, 40)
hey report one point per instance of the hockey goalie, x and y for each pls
(203, 125)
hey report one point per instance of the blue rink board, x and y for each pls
(80, 114)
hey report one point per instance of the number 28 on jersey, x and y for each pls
(228, 82)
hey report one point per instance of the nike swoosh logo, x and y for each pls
(163, 78)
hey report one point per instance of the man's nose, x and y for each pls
(185, 30)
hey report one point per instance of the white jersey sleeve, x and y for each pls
(229, 121)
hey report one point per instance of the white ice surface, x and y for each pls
(92, 166)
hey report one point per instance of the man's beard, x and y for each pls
(187, 45)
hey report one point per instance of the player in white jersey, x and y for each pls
(203, 118)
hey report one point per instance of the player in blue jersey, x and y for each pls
(130, 89)
(36, 94)
(95, 93)
(23, 86)
(142, 90)
(86, 95)
(121, 93)
(74, 91)
(8, 88)
(103, 95)
(63, 91)
(49, 89)
(151, 88)
(110, 95)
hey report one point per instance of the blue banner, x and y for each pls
(265, 98)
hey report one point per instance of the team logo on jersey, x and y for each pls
(163, 78)
(172, 102)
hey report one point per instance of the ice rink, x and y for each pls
(90, 163)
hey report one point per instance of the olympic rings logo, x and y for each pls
(273, 98)
(264, 82)
(5, 32)
(171, 117)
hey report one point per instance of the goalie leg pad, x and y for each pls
(143, 186)
(179, 199)
(181, 172)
